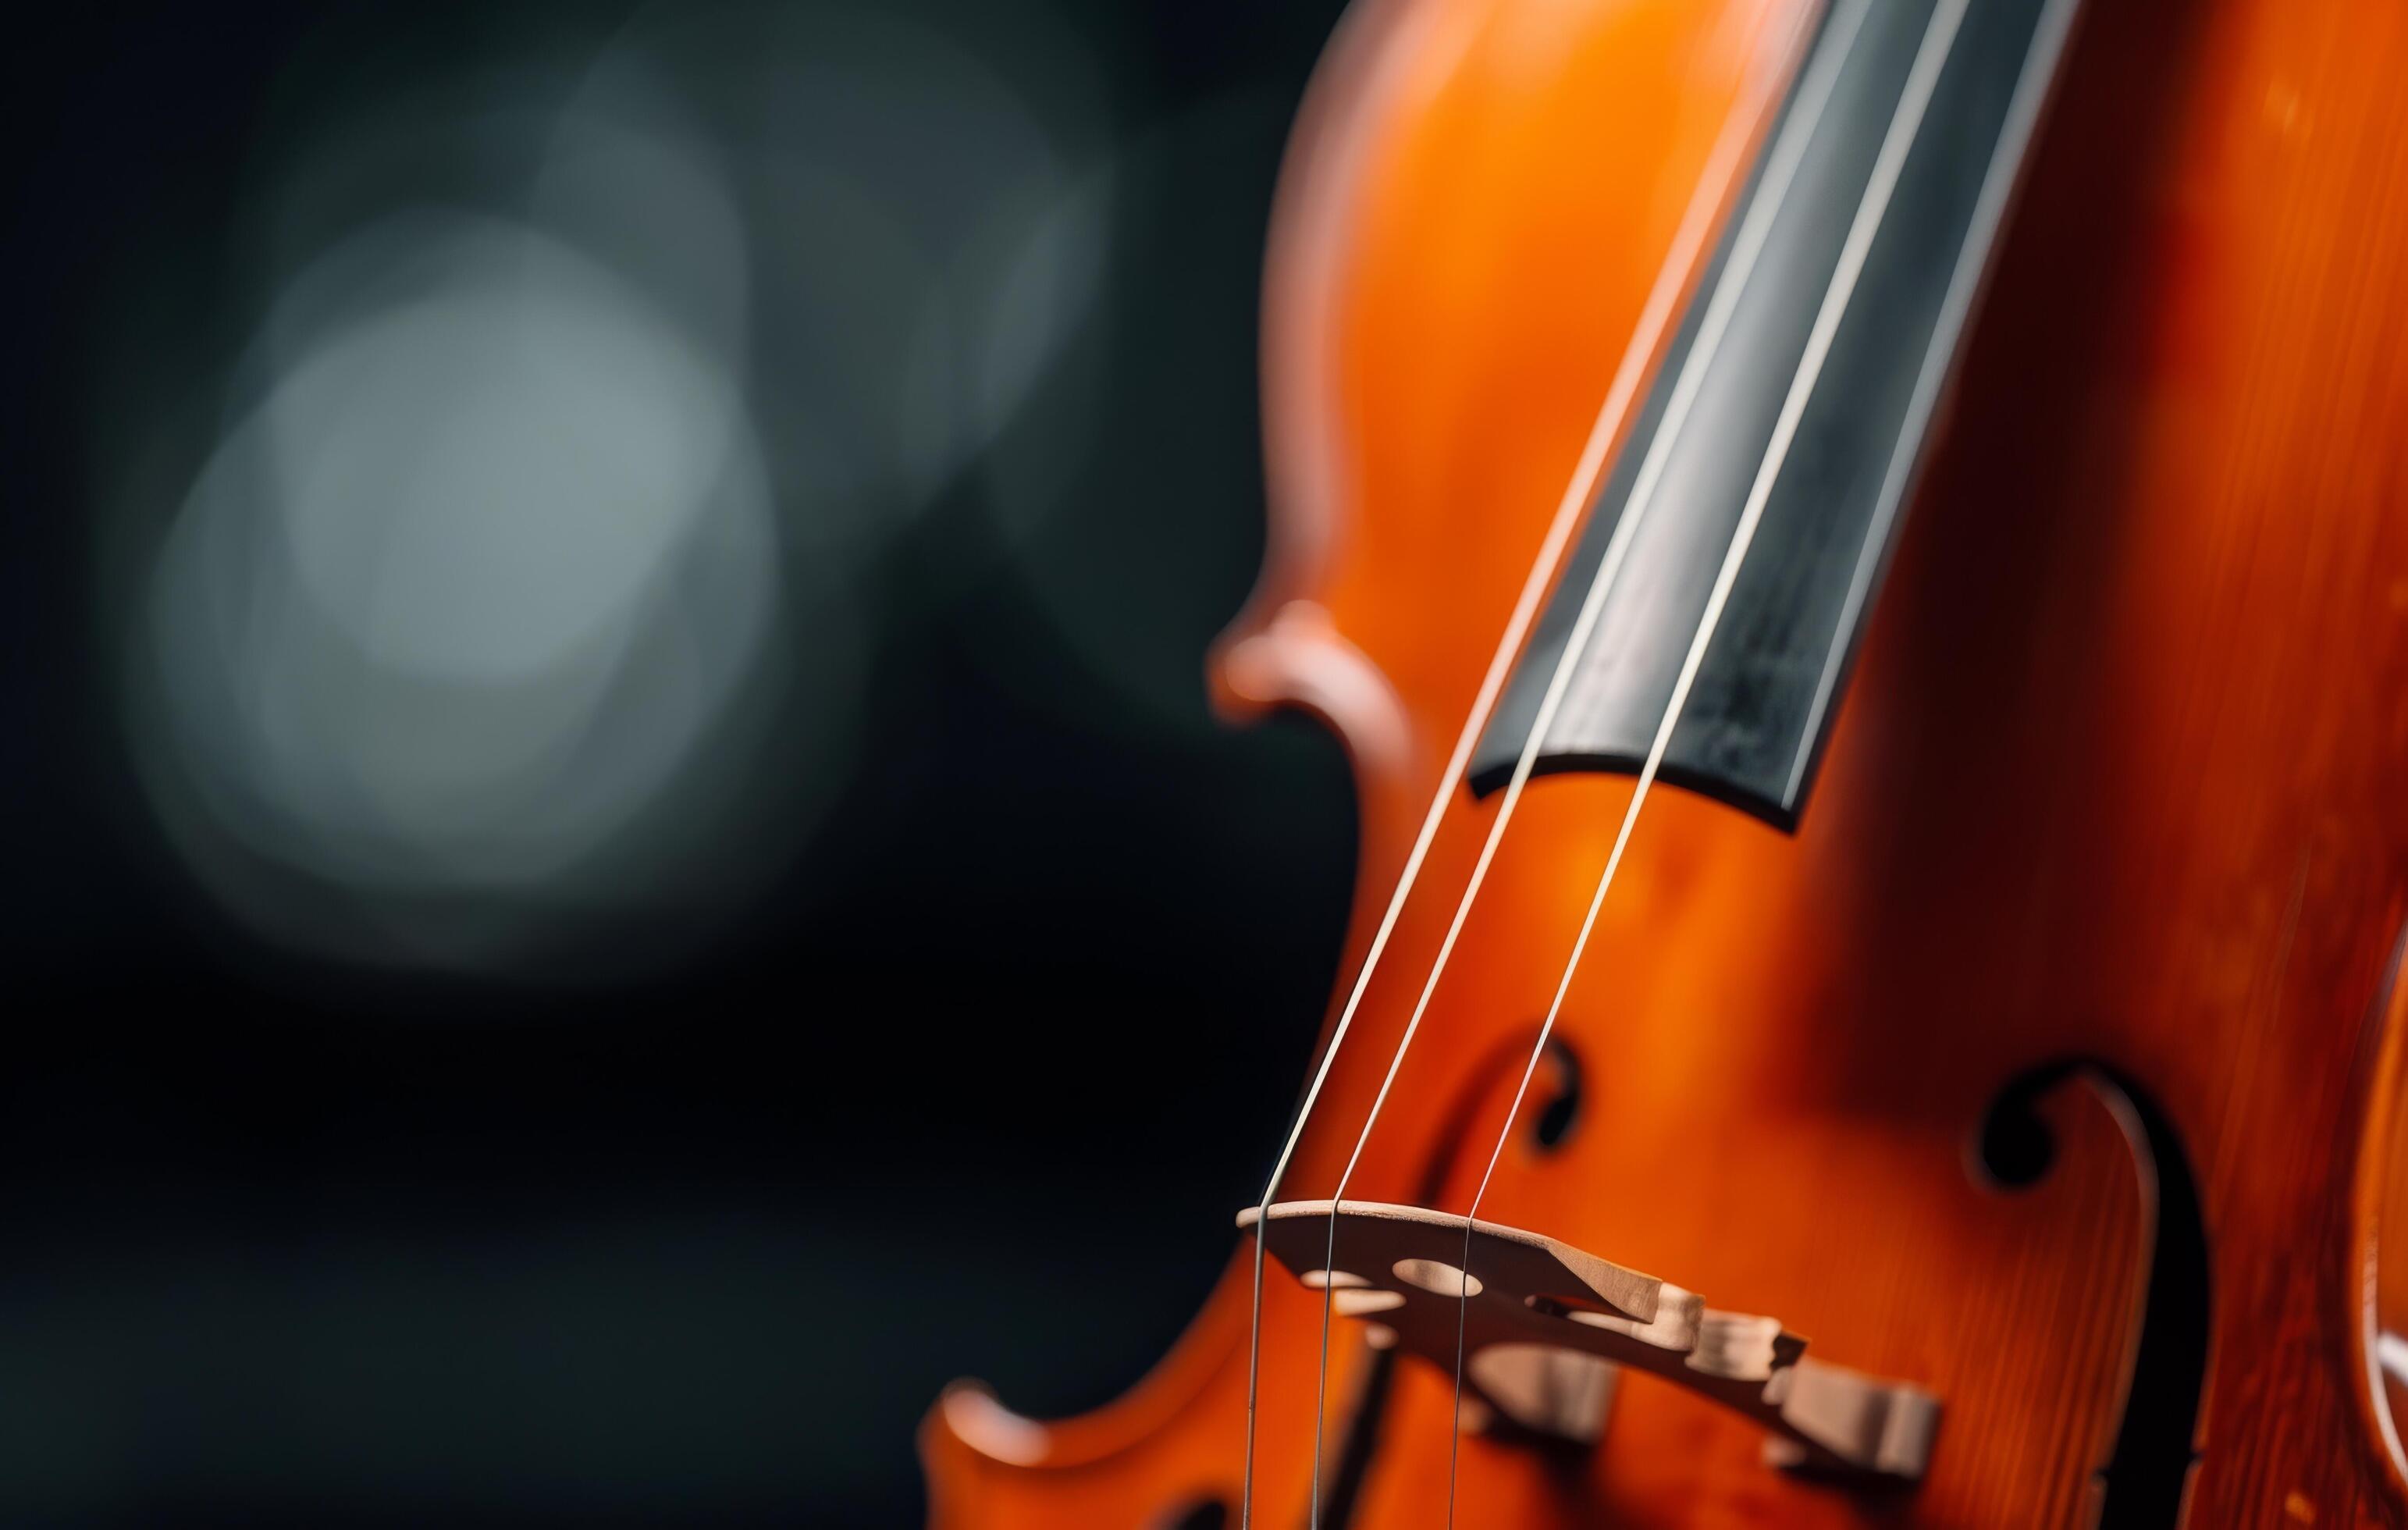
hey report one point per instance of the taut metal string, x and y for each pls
(1923, 77)
(1688, 240)
(1747, 246)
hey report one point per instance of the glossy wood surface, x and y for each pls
(2121, 780)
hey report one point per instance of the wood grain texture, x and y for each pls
(2122, 777)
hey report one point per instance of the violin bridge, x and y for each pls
(1543, 1327)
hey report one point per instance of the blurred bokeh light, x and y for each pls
(602, 723)
(584, 388)
(452, 604)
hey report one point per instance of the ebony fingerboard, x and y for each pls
(1753, 724)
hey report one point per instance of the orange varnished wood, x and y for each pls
(2122, 776)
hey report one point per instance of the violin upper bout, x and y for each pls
(1286, 647)
(1424, 254)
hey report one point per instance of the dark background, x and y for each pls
(968, 1082)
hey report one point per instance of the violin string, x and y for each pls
(1688, 240)
(1923, 77)
(1747, 245)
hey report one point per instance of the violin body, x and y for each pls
(2050, 1062)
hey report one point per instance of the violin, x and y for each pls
(1859, 551)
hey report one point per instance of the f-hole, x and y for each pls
(1559, 1105)
(2143, 1483)
(1203, 1514)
